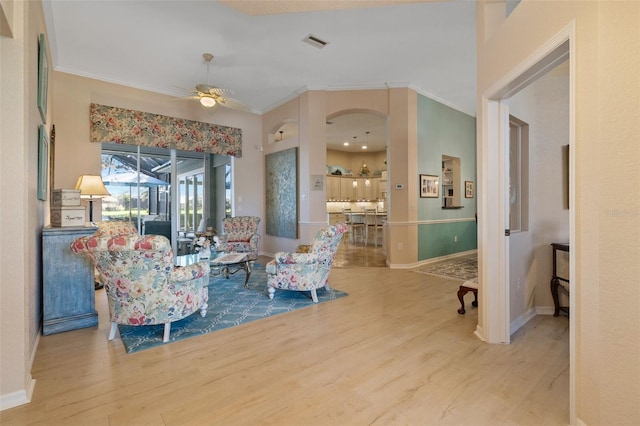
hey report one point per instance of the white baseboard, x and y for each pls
(545, 310)
(479, 333)
(517, 323)
(23, 396)
(20, 397)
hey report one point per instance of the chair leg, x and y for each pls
(112, 332)
(167, 330)
(314, 296)
(461, 292)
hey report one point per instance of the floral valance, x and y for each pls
(119, 125)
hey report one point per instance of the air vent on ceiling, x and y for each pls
(315, 41)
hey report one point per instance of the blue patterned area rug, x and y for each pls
(230, 304)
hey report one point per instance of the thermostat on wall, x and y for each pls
(399, 186)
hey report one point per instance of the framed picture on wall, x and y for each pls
(468, 189)
(43, 77)
(429, 186)
(43, 162)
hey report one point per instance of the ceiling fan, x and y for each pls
(210, 96)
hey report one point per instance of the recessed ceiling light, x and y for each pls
(346, 144)
(364, 147)
(315, 41)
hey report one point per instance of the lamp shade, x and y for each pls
(91, 186)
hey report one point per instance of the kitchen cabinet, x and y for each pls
(340, 188)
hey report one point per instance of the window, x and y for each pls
(139, 180)
(227, 190)
(191, 196)
(134, 195)
(518, 174)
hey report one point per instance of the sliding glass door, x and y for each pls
(140, 180)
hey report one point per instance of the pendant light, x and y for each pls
(355, 182)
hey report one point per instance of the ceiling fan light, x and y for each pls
(207, 101)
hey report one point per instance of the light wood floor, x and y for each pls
(394, 352)
(354, 255)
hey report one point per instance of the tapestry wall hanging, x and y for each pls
(281, 170)
(119, 125)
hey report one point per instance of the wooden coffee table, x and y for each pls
(230, 263)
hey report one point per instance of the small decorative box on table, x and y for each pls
(66, 209)
(65, 198)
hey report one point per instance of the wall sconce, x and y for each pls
(354, 183)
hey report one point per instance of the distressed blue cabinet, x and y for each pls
(68, 293)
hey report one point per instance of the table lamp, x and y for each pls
(91, 187)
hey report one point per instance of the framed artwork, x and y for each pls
(43, 78)
(281, 178)
(468, 189)
(429, 186)
(43, 162)
(52, 158)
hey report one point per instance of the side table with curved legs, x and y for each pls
(556, 280)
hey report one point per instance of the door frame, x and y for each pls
(493, 253)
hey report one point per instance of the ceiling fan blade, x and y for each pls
(205, 88)
(189, 98)
(233, 104)
(219, 91)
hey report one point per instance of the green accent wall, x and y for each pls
(443, 130)
(438, 239)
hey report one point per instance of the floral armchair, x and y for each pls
(142, 284)
(306, 271)
(112, 228)
(240, 234)
(115, 227)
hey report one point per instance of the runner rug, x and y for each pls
(230, 304)
(462, 268)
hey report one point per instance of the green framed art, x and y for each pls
(43, 162)
(43, 77)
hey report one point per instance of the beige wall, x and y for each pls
(22, 214)
(310, 111)
(75, 155)
(607, 184)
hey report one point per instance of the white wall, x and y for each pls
(21, 214)
(544, 105)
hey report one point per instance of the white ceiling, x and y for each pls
(158, 46)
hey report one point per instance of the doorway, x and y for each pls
(356, 142)
(494, 208)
